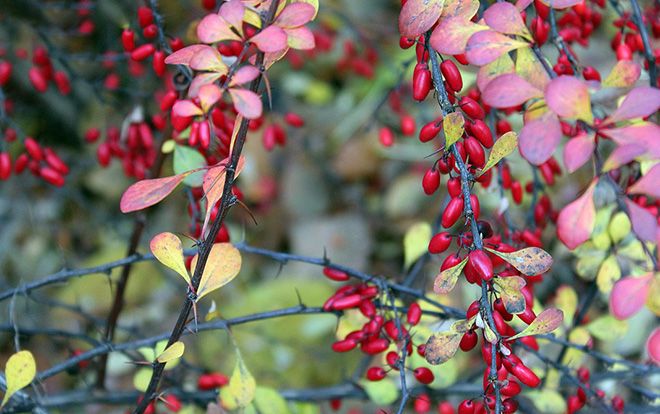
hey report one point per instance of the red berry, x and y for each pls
(481, 263)
(424, 375)
(55, 162)
(38, 79)
(466, 407)
(452, 212)
(422, 404)
(431, 181)
(344, 345)
(414, 314)
(454, 186)
(583, 374)
(145, 16)
(128, 40)
(481, 132)
(475, 152)
(5, 165)
(526, 375)
(62, 82)
(158, 63)
(33, 149)
(335, 274)
(375, 346)
(421, 82)
(376, 373)
(440, 242)
(173, 403)
(347, 302)
(5, 72)
(623, 52)
(386, 136)
(294, 120)
(212, 381)
(452, 75)
(590, 73)
(430, 130)
(516, 192)
(618, 404)
(143, 52)
(52, 176)
(469, 341)
(407, 125)
(471, 108)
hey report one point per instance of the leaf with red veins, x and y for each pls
(629, 295)
(568, 97)
(561, 4)
(644, 223)
(210, 60)
(539, 138)
(184, 56)
(418, 16)
(185, 108)
(509, 90)
(271, 39)
(146, 193)
(623, 75)
(214, 28)
(201, 80)
(295, 15)
(208, 96)
(485, 46)
(465, 9)
(576, 221)
(622, 155)
(246, 103)
(451, 35)
(232, 12)
(649, 184)
(578, 151)
(505, 18)
(244, 74)
(644, 134)
(639, 103)
(300, 38)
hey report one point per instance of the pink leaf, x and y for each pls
(539, 138)
(209, 95)
(576, 221)
(295, 15)
(508, 90)
(653, 346)
(486, 46)
(561, 4)
(523, 4)
(244, 74)
(622, 155)
(418, 16)
(643, 134)
(214, 184)
(185, 108)
(208, 59)
(452, 33)
(466, 9)
(247, 103)
(643, 222)
(183, 56)
(623, 75)
(505, 18)
(639, 103)
(214, 28)
(649, 184)
(201, 80)
(629, 295)
(300, 38)
(146, 193)
(271, 39)
(232, 12)
(568, 97)
(578, 150)
(500, 66)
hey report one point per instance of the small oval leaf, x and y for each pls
(446, 280)
(168, 250)
(529, 261)
(546, 322)
(20, 370)
(172, 352)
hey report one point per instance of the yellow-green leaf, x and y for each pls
(382, 393)
(511, 294)
(453, 128)
(268, 400)
(619, 227)
(502, 147)
(546, 322)
(168, 250)
(608, 274)
(416, 241)
(653, 300)
(573, 357)
(241, 389)
(172, 352)
(529, 261)
(607, 328)
(624, 74)
(547, 401)
(446, 280)
(567, 300)
(222, 266)
(20, 370)
(142, 378)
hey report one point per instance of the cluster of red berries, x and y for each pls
(135, 149)
(41, 161)
(578, 400)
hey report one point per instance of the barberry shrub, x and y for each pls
(244, 173)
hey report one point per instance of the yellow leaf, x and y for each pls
(653, 300)
(453, 128)
(567, 301)
(619, 227)
(510, 292)
(142, 378)
(222, 266)
(167, 248)
(447, 279)
(529, 261)
(502, 147)
(608, 273)
(415, 242)
(546, 322)
(624, 74)
(442, 346)
(241, 389)
(19, 373)
(530, 68)
(174, 351)
(573, 357)
(547, 401)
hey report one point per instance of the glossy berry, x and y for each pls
(421, 82)
(431, 181)
(469, 341)
(386, 137)
(452, 212)
(335, 274)
(452, 75)
(376, 373)
(466, 407)
(481, 263)
(344, 345)
(407, 125)
(212, 381)
(424, 375)
(414, 314)
(440, 242)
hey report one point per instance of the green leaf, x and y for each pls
(20, 370)
(415, 242)
(608, 274)
(186, 159)
(383, 392)
(242, 387)
(446, 280)
(530, 261)
(502, 147)
(546, 322)
(174, 351)
(141, 379)
(268, 400)
(607, 328)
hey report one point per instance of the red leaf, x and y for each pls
(418, 16)
(146, 193)
(300, 38)
(243, 75)
(539, 138)
(578, 150)
(247, 103)
(183, 56)
(214, 28)
(653, 345)
(271, 39)
(576, 221)
(486, 46)
(649, 184)
(639, 103)
(508, 90)
(629, 295)
(451, 35)
(568, 97)
(295, 14)
(643, 222)
(505, 18)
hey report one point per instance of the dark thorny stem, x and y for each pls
(648, 50)
(226, 201)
